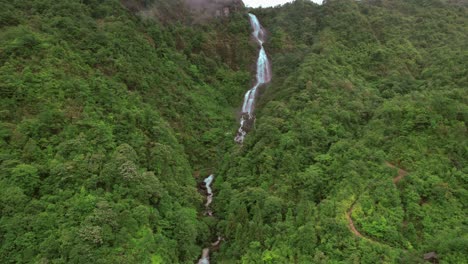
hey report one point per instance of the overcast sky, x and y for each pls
(265, 3)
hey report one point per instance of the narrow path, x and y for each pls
(351, 223)
(352, 227)
(349, 214)
(401, 172)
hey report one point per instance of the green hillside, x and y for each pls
(105, 119)
(112, 113)
(360, 89)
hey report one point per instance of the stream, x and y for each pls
(263, 76)
(205, 258)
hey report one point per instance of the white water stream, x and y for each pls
(209, 193)
(205, 258)
(263, 77)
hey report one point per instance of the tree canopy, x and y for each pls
(110, 116)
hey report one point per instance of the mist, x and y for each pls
(212, 5)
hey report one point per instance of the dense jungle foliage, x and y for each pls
(360, 90)
(105, 118)
(111, 113)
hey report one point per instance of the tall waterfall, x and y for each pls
(263, 77)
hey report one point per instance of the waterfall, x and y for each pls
(209, 193)
(263, 77)
(205, 258)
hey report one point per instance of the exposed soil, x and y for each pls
(401, 172)
(351, 223)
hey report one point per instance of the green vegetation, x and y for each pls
(356, 86)
(105, 117)
(108, 120)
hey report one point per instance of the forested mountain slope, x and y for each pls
(360, 89)
(112, 111)
(105, 118)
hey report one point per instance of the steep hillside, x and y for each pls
(362, 92)
(105, 119)
(112, 112)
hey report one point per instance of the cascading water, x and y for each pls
(263, 77)
(209, 193)
(205, 258)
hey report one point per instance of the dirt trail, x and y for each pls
(401, 172)
(352, 227)
(351, 223)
